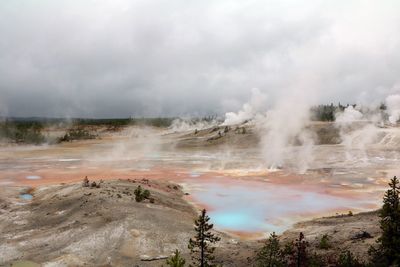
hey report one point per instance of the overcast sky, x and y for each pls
(123, 58)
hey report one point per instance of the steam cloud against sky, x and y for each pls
(172, 58)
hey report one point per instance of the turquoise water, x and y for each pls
(33, 177)
(195, 174)
(248, 206)
(236, 220)
(26, 196)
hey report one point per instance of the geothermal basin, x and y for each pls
(242, 196)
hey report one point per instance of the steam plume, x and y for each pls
(393, 108)
(249, 110)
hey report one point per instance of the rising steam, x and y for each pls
(249, 110)
(285, 132)
(348, 116)
(393, 108)
(284, 127)
(187, 124)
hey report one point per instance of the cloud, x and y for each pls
(150, 58)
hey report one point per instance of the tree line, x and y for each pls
(328, 112)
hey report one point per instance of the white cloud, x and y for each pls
(120, 58)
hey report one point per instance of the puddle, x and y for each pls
(195, 174)
(68, 160)
(33, 177)
(26, 196)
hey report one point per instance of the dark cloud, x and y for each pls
(182, 57)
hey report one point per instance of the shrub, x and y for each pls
(317, 261)
(138, 194)
(324, 242)
(85, 182)
(176, 260)
(270, 254)
(146, 194)
(297, 253)
(76, 134)
(141, 194)
(347, 259)
(350, 213)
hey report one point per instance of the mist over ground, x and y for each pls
(184, 58)
(120, 120)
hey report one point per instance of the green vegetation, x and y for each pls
(117, 123)
(347, 259)
(76, 134)
(300, 255)
(22, 132)
(293, 254)
(176, 260)
(141, 194)
(30, 130)
(326, 112)
(200, 249)
(270, 255)
(102, 122)
(324, 242)
(350, 213)
(387, 253)
(154, 122)
(296, 254)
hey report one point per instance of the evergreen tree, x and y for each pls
(270, 254)
(300, 256)
(176, 260)
(138, 194)
(324, 242)
(202, 252)
(347, 259)
(388, 251)
(141, 194)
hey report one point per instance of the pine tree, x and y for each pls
(347, 259)
(141, 194)
(270, 254)
(176, 260)
(388, 251)
(202, 252)
(300, 256)
(138, 194)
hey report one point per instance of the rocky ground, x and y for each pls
(71, 225)
(247, 135)
(355, 233)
